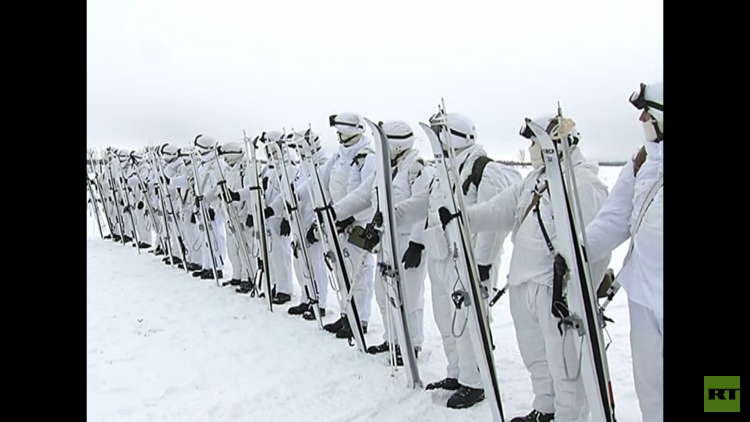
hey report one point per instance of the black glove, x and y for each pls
(165, 179)
(289, 208)
(413, 255)
(484, 272)
(233, 196)
(342, 225)
(156, 190)
(559, 303)
(249, 221)
(192, 218)
(265, 183)
(445, 216)
(377, 219)
(310, 236)
(139, 205)
(268, 212)
(285, 229)
(211, 214)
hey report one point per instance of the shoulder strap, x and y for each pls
(359, 159)
(646, 204)
(541, 226)
(535, 200)
(477, 169)
(648, 201)
(423, 165)
(639, 159)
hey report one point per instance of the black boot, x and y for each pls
(299, 309)
(335, 327)
(400, 358)
(309, 314)
(144, 245)
(380, 348)
(245, 287)
(194, 267)
(465, 397)
(281, 298)
(347, 332)
(198, 273)
(450, 384)
(209, 275)
(535, 416)
(232, 282)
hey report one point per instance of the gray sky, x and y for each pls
(166, 70)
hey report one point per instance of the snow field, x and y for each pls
(164, 346)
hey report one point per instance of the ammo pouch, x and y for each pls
(366, 238)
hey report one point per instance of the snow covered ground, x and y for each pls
(163, 346)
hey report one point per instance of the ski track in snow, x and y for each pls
(164, 346)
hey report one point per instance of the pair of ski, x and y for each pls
(338, 256)
(292, 213)
(584, 318)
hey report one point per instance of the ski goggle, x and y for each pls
(639, 101)
(222, 151)
(438, 122)
(333, 123)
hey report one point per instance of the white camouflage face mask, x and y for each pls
(649, 131)
(535, 156)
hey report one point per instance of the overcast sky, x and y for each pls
(166, 70)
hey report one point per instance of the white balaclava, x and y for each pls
(315, 145)
(535, 155)
(204, 146)
(169, 153)
(400, 139)
(232, 152)
(463, 133)
(650, 98)
(273, 136)
(548, 122)
(306, 144)
(349, 126)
